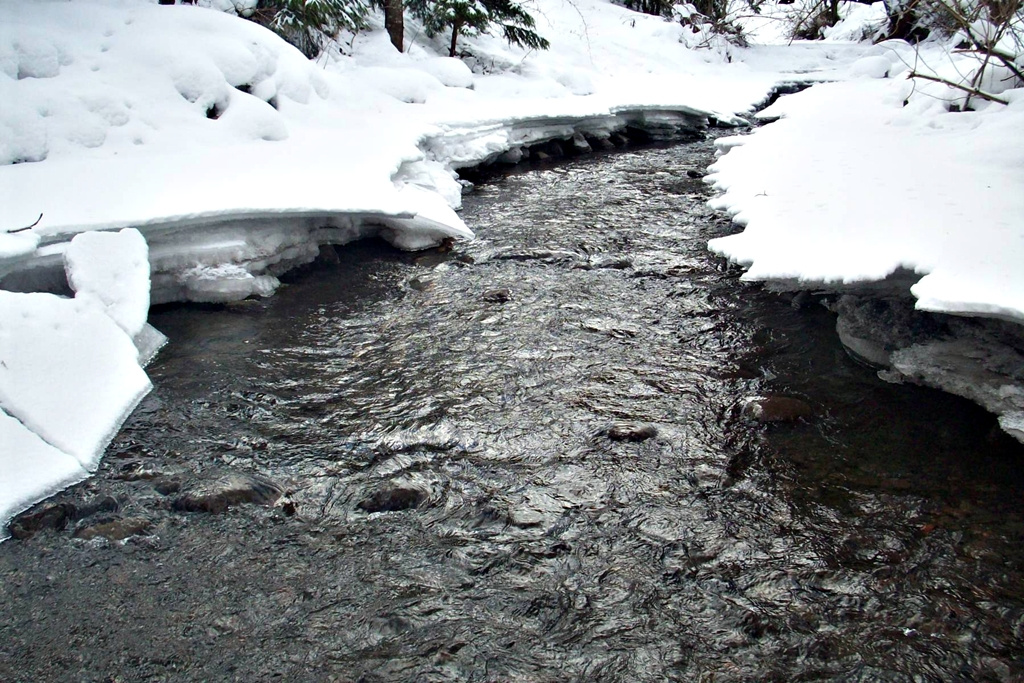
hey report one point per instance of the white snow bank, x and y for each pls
(851, 185)
(129, 114)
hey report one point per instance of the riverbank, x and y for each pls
(884, 191)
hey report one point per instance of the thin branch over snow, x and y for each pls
(27, 227)
(967, 89)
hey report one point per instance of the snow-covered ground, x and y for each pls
(867, 176)
(232, 158)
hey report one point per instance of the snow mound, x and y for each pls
(876, 66)
(113, 268)
(451, 72)
(64, 67)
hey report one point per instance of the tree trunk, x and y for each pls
(394, 22)
(455, 38)
(833, 12)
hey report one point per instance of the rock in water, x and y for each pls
(498, 296)
(775, 409)
(632, 432)
(217, 496)
(392, 499)
(579, 145)
(115, 530)
(56, 516)
(28, 524)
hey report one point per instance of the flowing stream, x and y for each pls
(527, 460)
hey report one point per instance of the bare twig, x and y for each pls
(1007, 60)
(27, 227)
(799, 26)
(987, 48)
(967, 89)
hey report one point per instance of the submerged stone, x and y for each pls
(392, 500)
(51, 516)
(115, 530)
(498, 296)
(632, 432)
(611, 263)
(217, 496)
(775, 409)
(56, 516)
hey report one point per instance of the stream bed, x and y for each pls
(530, 458)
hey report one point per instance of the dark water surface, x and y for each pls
(473, 491)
